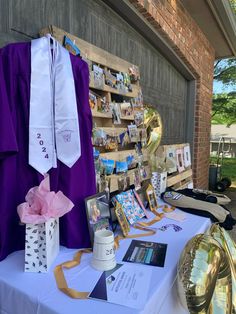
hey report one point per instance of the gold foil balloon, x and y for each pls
(204, 277)
(223, 237)
(153, 125)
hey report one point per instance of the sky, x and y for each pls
(218, 87)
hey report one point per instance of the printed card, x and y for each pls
(125, 285)
(148, 253)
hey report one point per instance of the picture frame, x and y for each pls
(130, 206)
(98, 214)
(122, 219)
(139, 200)
(151, 196)
(187, 156)
(180, 159)
(142, 193)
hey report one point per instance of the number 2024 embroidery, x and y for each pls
(41, 143)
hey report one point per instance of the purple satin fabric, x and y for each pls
(16, 176)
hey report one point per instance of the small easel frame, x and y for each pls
(122, 219)
(152, 201)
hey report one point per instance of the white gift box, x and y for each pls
(159, 180)
(41, 245)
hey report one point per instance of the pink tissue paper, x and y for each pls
(42, 204)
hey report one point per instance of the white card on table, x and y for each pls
(125, 285)
(176, 215)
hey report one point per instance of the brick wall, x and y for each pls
(173, 22)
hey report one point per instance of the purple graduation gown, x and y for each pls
(16, 175)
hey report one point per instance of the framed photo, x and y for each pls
(98, 213)
(152, 201)
(187, 156)
(141, 192)
(138, 198)
(131, 208)
(180, 159)
(122, 219)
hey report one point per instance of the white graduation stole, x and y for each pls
(53, 126)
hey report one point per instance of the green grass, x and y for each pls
(228, 168)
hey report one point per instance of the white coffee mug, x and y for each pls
(103, 250)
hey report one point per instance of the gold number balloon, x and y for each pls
(223, 237)
(204, 277)
(153, 125)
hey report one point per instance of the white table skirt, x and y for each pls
(33, 293)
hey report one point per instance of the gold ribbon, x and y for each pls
(159, 216)
(167, 209)
(60, 278)
(154, 220)
(138, 226)
(58, 271)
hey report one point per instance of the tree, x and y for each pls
(225, 72)
(224, 103)
(224, 108)
(233, 5)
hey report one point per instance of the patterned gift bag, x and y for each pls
(158, 181)
(41, 245)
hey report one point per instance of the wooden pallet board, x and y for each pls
(120, 155)
(112, 90)
(104, 120)
(114, 178)
(96, 55)
(88, 50)
(176, 178)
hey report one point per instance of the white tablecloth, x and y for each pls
(33, 293)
